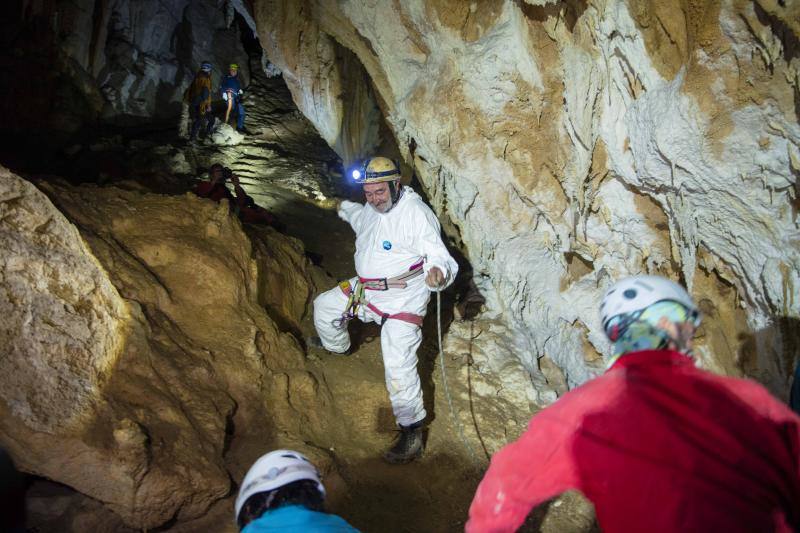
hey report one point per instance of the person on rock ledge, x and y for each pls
(400, 258)
(655, 443)
(283, 491)
(232, 94)
(198, 97)
(249, 211)
(214, 188)
(242, 204)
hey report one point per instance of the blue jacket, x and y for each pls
(298, 518)
(232, 83)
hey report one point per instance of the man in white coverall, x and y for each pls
(400, 259)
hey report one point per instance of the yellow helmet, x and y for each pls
(376, 170)
(233, 66)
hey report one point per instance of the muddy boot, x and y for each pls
(314, 342)
(408, 446)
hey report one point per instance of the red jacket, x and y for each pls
(215, 192)
(657, 445)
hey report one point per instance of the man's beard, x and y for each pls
(382, 207)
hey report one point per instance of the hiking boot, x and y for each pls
(408, 446)
(316, 343)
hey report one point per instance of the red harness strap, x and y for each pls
(405, 317)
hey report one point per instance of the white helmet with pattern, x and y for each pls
(637, 293)
(275, 470)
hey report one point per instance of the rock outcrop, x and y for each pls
(74, 62)
(142, 343)
(574, 142)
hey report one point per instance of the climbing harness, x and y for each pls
(355, 296)
(397, 282)
(456, 421)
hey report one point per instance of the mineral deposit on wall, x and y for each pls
(573, 142)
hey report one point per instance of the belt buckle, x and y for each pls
(381, 284)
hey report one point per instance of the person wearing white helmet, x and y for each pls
(648, 313)
(283, 491)
(655, 443)
(400, 258)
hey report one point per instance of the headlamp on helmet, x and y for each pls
(377, 170)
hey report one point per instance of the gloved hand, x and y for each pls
(435, 278)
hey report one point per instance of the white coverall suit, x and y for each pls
(387, 244)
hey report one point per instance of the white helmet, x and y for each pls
(275, 470)
(640, 292)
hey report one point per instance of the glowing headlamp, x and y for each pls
(356, 174)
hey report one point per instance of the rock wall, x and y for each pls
(53, 291)
(70, 63)
(145, 337)
(574, 142)
(329, 84)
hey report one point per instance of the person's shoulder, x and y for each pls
(349, 204)
(753, 394)
(600, 389)
(417, 212)
(414, 201)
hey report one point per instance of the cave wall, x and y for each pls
(574, 142)
(74, 63)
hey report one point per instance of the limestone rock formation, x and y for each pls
(139, 349)
(574, 142)
(484, 373)
(56, 294)
(76, 61)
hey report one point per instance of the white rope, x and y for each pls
(456, 422)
